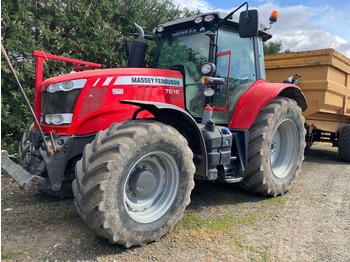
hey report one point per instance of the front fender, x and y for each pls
(184, 123)
(257, 96)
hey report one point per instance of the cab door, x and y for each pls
(236, 64)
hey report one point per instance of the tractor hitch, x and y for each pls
(27, 181)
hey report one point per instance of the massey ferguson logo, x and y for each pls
(152, 80)
(148, 80)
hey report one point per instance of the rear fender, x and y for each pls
(257, 96)
(184, 123)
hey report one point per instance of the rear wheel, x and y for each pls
(344, 144)
(134, 181)
(276, 148)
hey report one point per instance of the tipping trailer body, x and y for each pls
(325, 82)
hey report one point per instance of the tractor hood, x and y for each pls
(105, 77)
(86, 102)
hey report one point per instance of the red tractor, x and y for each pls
(131, 141)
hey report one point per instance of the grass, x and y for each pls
(48, 221)
(277, 201)
(346, 197)
(10, 255)
(222, 223)
(259, 251)
(228, 224)
(317, 200)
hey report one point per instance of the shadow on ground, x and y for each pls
(323, 154)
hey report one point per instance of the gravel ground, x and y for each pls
(222, 223)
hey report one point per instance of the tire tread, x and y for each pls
(99, 162)
(255, 178)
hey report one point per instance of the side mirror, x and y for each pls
(248, 23)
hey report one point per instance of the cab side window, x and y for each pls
(238, 70)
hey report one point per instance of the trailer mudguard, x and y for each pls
(184, 123)
(257, 96)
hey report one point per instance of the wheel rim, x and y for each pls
(151, 187)
(283, 148)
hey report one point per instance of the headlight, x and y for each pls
(198, 19)
(160, 28)
(58, 119)
(62, 86)
(208, 92)
(208, 68)
(208, 18)
(66, 85)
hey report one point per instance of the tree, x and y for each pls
(87, 30)
(273, 48)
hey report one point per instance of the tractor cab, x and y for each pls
(206, 46)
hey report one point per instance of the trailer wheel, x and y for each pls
(344, 143)
(134, 181)
(276, 148)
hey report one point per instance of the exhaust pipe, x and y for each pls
(138, 49)
(140, 32)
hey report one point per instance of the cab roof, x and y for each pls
(188, 22)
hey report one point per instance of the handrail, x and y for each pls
(40, 59)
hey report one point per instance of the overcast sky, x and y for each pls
(302, 25)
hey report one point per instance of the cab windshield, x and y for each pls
(188, 50)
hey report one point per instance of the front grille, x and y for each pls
(59, 102)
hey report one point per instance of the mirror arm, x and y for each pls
(223, 21)
(212, 47)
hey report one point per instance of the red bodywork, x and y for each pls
(253, 100)
(98, 104)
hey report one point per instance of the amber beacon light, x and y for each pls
(274, 17)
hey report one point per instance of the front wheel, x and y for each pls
(134, 181)
(24, 148)
(276, 148)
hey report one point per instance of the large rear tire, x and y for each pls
(344, 143)
(134, 181)
(276, 148)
